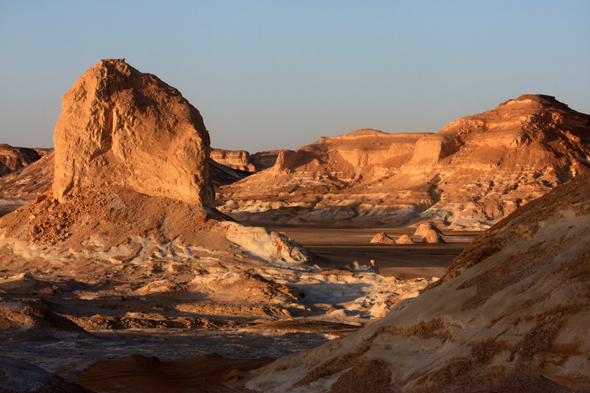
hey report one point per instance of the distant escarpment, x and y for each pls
(469, 175)
(14, 158)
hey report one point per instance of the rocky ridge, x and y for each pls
(512, 314)
(14, 158)
(472, 173)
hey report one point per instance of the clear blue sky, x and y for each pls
(280, 74)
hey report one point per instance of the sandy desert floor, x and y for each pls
(402, 261)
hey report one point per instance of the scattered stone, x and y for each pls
(381, 237)
(404, 239)
(422, 229)
(432, 236)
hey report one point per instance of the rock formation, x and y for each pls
(128, 237)
(425, 227)
(469, 175)
(382, 237)
(119, 126)
(511, 314)
(432, 236)
(29, 182)
(404, 239)
(14, 158)
(236, 159)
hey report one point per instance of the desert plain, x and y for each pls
(135, 258)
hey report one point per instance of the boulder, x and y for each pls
(404, 239)
(432, 236)
(423, 228)
(381, 237)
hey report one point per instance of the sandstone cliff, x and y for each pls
(235, 159)
(469, 175)
(512, 314)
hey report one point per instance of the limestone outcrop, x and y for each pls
(236, 159)
(511, 314)
(14, 158)
(122, 127)
(469, 175)
(432, 236)
(382, 237)
(130, 217)
(404, 239)
(425, 227)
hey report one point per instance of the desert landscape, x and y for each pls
(135, 258)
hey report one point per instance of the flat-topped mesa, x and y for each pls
(121, 127)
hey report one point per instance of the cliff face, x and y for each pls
(15, 158)
(469, 175)
(121, 127)
(235, 159)
(511, 314)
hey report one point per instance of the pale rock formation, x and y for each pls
(105, 235)
(264, 159)
(432, 236)
(382, 237)
(404, 239)
(469, 175)
(15, 158)
(119, 126)
(511, 314)
(425, 227)
(235, 159)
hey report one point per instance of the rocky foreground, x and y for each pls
(472, 173)
(127, 239)
(512, 314)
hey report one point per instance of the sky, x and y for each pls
(281, 74)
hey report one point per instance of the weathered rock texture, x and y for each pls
(29, 182)
(469, 175)
(119, 126)
(35, 179)
(15, 158)
(236, 159)
(126, 218)
(511, 314)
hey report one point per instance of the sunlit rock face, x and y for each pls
(469, 175)
(119, 126)
(235, 159)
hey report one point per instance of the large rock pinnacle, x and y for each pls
(119, 126)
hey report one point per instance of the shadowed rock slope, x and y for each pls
(512, 314)
(469, 175)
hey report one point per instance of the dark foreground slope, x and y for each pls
(513, 314)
